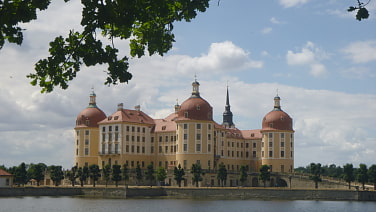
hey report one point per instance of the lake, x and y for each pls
(76, 204)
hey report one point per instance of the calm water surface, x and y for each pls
(41, 204)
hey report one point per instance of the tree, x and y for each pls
(243, 174)
(116, 174)
(362, 12)
(56, 174)
(94, 173)
(138, 174)
(83, 174)
(264, 174)
(149, 175)
(107, 173)
(372, 175)
(315, 170)
(161, 174)
(222, 174)
(362, 174)
(20, 175)
(348, 173)
(197, 173)
(147, 24)
(72, 175)
(36, 172)
(125, 173)
(179, 174)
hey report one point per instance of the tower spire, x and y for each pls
(227, 114)
(277, 102)
(92, 102)
(195, 88)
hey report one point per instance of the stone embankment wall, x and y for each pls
(200, 193)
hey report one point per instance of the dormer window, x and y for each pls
(185, 114)
(271, 125)
(198, 107)
(87, 122)
(163, 127)
(252, 135)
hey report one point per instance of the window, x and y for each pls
(209, 148)
(254, 145)
(160, 138)
(271, 154)
(254, 154)
(152, 140)
(185, 126)
(185, 136)
(86, 141)
(138, 149)
(127, 137)
(282, 135)
(198, 136)
(246, 145)
(132, 128)
(86, 132)
(282, 154)
(127, 148)
(160, 149)
(271, 125)
(270, 144)
(198, 147)
(166, 138)
(185, 164)
(198, 107)
(209, 137)
(138, 138)
(116, 148)
(185, 114)
(163, 127)
(198, 126)
(86, 151)
(138, 129)
(209, 126)
(270, 135)
(143, 139)
(185, 147)
(152, 149)
(109, 137)
(246, 154)
(127, 128)
(262, 154)
(262, 144)
(116, 128)
(116, 136)
(282, 144)
(143, 130)
(132, 148)
(104, 129)
(132, 138)
(166, 149)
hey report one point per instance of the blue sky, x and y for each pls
(319, 57)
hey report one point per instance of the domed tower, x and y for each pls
(195, 130)
(87, 133)
(277, 146)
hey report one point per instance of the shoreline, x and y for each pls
(221, 193)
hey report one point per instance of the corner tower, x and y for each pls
(277, 145)
(195, 131)
(87, 134)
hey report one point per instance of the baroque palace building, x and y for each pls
(187, 136)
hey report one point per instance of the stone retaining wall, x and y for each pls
(208, 193)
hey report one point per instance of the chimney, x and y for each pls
(120, 106)
(137, 107)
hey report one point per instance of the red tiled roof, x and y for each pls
(167, 124)
(126, 115)
(4, 173)
(247, 134)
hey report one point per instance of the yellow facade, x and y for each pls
(188, 136)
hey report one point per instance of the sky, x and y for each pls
(315, 54)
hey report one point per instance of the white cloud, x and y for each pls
(292, 3)
(310, 56)
(361, 51)
(266, 30)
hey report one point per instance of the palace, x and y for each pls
(187, 136)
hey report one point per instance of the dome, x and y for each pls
(195, 108)
(90, 116)
(277, 119)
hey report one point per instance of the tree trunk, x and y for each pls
(316, 185)
(349, 185)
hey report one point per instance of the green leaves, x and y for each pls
(362, 11)
(148, 25)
